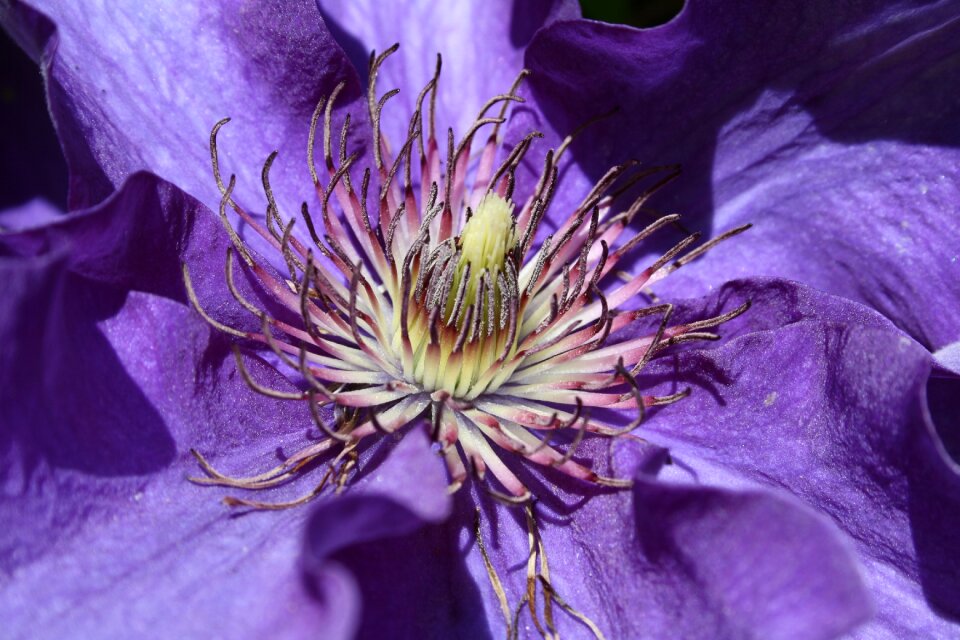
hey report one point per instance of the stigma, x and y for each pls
(486, 239)
(434, 299)
(466, 303)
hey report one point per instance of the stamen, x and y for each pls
(492, 573)
(448, 303)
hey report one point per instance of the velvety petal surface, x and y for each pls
(386, 533)
(835, 411)
(140, 87)
(481, 43)
(104, 390)
(103, 535)
(832, 126)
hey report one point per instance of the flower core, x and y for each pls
(468, 294)
(450, 304)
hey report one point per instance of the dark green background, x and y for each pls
(637, 13)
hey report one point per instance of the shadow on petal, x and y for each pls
(69, 398)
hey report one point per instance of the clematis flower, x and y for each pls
(800, 491)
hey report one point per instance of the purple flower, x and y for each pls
(803, 489)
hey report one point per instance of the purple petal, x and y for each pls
(689, 561)
(137, 239)
(104, 390)
(140, 88)
(387, 535)
(949, 357)
(37, 212)
(835, 412)
(102, 533)
(744, 563)
(481, 43)
(829, 127)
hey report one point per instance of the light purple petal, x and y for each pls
(103, 535)
(37, 212)
(836, 413)
(481, 43)
(830, 127)
(949, 357)
(104, 390)
(141, 87)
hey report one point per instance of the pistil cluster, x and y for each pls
(439, 298)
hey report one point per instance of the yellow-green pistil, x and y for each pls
(472, 277)
(484, 243)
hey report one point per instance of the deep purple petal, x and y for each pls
(140, 88)
(835, 412)
(481, 43)
(830, 126)
(388, 535)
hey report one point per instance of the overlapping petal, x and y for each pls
(108, 378)
(481, 43)
(139, 87)
(840, 407)
(831, 127)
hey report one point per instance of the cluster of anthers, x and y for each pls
(446, 303)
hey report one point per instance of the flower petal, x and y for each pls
(137, 239)
(103, 535)
(481, 43)
(104, 390)
(835, 412)
(37, 212)
(826, 126)
(135, 88)
(691, 561)
(387, 534)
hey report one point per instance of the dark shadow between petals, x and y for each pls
(933, 504)
(73, 404)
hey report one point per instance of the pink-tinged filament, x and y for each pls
(444, 303)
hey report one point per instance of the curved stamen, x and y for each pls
(449, 298)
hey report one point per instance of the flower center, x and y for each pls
(484, 243)
(450, 307)
(466, 303)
